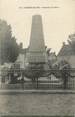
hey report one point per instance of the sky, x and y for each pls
(58, 17)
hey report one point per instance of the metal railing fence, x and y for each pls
(50, 79)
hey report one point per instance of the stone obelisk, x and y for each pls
(37, 52)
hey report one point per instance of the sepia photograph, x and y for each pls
(37, 58)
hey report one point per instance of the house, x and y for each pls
(21, 59)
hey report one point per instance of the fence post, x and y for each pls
(37, 83)
(22, 80)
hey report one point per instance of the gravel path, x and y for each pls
(37, 104)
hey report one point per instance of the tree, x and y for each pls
(71, 41)
(62, 70)
(9, 49)
(65, 72)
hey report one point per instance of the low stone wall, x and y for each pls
(10, 86)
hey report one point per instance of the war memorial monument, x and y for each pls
(37, 94)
